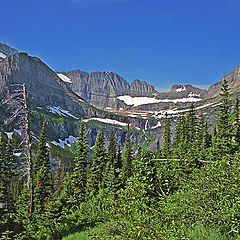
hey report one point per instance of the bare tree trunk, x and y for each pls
(27, 149)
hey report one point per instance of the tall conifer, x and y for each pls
(167, 136)
(42, 174)
(98, 164)
(79, 175)
(127, 159)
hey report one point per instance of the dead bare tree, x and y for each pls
(16, 101)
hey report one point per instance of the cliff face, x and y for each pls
(102, 88)
(6, 50)
(44, 86)
(98, 88)
(233, 79)
(51, 96)
(140, 88)
(183, 91)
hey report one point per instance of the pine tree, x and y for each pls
(236, 125)
(143, 185)
(202, 142)
(2, 178)
(79, 175)
(7, 200)
(42, 174)
(111, 148)
(109, 171)
(117, 165)
(118, 160)
(98, 164)
(181, 142)
(127, 159)
(59, 179)
(224, 137)
(3, 182)
(192, 124)
(166, 136)
(10, 174)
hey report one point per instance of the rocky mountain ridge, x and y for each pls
(51, 100)
(102, 88)
(66, 97)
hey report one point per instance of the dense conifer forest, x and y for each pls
(190, 189)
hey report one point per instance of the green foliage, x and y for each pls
(166, 136)
(189, 190)
(78, 190)
(127, 159)
(98, 164)
(43, 186)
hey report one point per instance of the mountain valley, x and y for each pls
(99, 99)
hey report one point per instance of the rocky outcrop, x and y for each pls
(99, 88)
(102, 88)
(141, 88)
(5, 49)
(233, 79)
(44, 86)
(183, 91)
(49, 93)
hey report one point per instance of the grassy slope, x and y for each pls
(102, 232)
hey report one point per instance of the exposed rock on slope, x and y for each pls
(183, 91)
(44, 86)
(5, 49)
(102, 88)
(234, 84)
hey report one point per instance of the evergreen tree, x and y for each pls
(142, 187)
(223, 140)
(3, 187)
(79, 175)
(127, 159)
(117, 165)
(59, 179)
(118, 160)
(109, 171)
(236, 125)
(192, 124)
(42, 174)
(112, 148)
(98, 164)
(202, 142)
(10, 174)
(166, 136)
(7, 200)
(181, 140)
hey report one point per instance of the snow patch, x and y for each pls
(181, 89)
(9, 135)
(60, 112)
(64, 78)
(108, 108)
(108, 121)
(17, 154)
(146, 125)
(19, 131)
(2, 55)
(192, 95)
(137, 101)
(174, 112)
(67, 141)
(157, 126)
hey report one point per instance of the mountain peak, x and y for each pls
(5, 50)
(142, 88)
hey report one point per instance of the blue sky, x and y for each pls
(162, 41)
